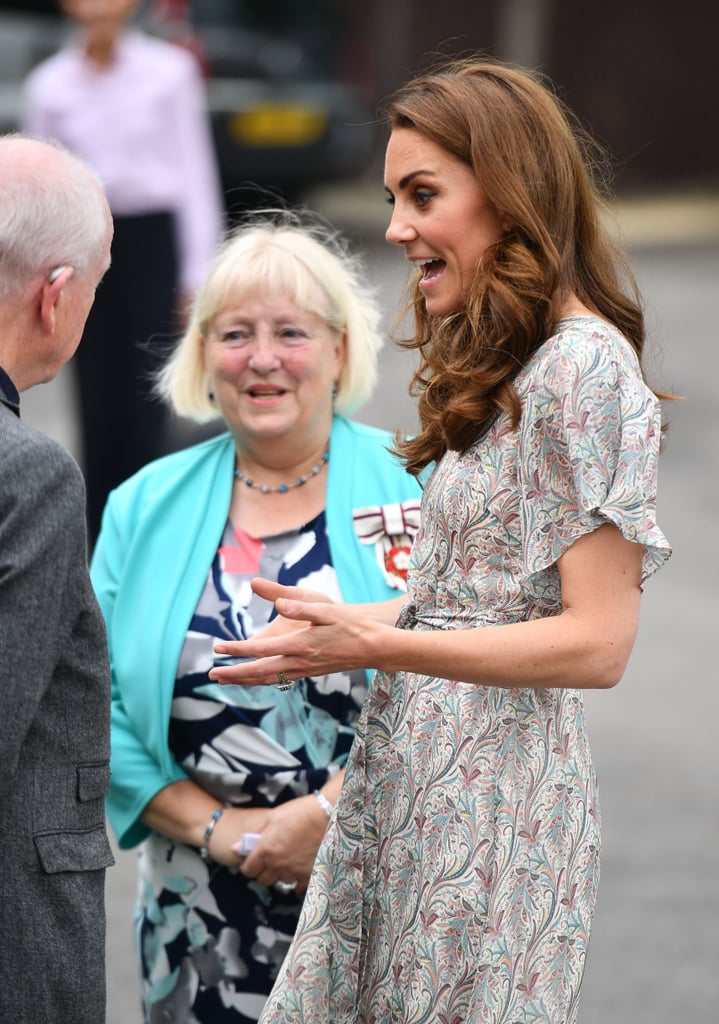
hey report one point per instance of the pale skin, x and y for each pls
(434, 196)
(272, 368)
(102, 22)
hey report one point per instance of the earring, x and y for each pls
(211, 396)
(334, 392)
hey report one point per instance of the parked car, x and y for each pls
(287, 91)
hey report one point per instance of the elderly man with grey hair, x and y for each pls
(55, 234)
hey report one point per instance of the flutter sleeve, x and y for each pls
(588, 448)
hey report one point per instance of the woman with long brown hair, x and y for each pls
(458, 878)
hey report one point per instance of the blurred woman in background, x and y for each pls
(134, 107)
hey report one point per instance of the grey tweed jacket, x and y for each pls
(54, 741)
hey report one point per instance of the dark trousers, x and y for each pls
(130, 329)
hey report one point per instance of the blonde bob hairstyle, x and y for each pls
(296, 256)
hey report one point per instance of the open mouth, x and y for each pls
(431, 270)
(265, 392)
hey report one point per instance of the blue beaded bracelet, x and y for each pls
(204, 849)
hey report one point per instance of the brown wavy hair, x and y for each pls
(540, 170)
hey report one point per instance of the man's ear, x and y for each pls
(50, 295)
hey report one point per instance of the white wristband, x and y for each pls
(323, 802)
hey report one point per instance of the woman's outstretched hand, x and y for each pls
(311, 636)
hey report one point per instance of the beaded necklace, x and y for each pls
(283, 488)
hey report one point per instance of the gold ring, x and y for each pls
(284, 683)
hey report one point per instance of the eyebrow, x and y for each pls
(404, 182)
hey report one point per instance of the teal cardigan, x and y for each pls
(160, 533)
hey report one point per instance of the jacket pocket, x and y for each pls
(93, 780)
(74, 851)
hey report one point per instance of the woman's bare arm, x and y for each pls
(587, 645)
(290, 833)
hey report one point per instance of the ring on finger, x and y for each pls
(283, 683)
(285, 887)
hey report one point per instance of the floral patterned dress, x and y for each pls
(457, 880)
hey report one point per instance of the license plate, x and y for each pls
(278, 124)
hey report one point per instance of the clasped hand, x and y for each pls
(288, 844)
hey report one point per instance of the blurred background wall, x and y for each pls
(641, 74)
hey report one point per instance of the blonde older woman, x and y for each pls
(282, 346)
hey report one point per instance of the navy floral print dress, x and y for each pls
(211, 941)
